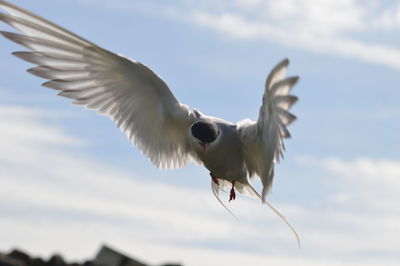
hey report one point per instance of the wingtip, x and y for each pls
(19, 54)
(295, 79)
(47, 84)
(12, 36)
(284, 63)
(24, 55)
(51, 84)
(3, 17)
(39, 71)
(5, 34)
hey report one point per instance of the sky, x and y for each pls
(71, 181)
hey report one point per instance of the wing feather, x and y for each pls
(263, 139)
(132, 95)
(51, 74)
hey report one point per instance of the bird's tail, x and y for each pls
(215, 189)
(255, 193)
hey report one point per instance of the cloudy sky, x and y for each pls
(70, 181)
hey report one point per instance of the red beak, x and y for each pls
(204, 146)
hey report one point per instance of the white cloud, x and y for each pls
(371, 183)
(318, 26)
(316, 16)
(320, 40)
(20, 127)
(389, 19)
(377, 173)
(380, 172)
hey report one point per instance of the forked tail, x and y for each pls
(215, 189)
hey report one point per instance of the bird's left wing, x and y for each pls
(263, 140)
(132, 95)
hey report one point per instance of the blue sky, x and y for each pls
(71, 181)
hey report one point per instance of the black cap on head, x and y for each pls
(204, 131)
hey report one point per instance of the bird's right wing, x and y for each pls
(132, 95)
(263, 140)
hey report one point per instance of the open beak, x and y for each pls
(204, 146)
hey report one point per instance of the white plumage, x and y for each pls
(141, 104)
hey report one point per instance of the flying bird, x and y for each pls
(168, 132)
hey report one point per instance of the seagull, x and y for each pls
(167, 132)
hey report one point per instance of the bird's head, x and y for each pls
(204, 133)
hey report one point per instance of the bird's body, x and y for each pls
(224, 158)
(169, 133)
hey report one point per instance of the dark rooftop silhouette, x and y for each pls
(105, 257)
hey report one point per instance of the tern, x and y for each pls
(167, 132)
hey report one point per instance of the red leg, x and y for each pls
(214, 178)
(232, 195)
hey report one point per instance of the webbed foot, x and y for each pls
(232, 195)
(214, 178)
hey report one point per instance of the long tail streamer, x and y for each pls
(277, 213)
(215, 189)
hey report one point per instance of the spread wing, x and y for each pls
(132, 95)
(263, 140)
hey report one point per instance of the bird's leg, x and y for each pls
(214, 178)
(232, 196)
